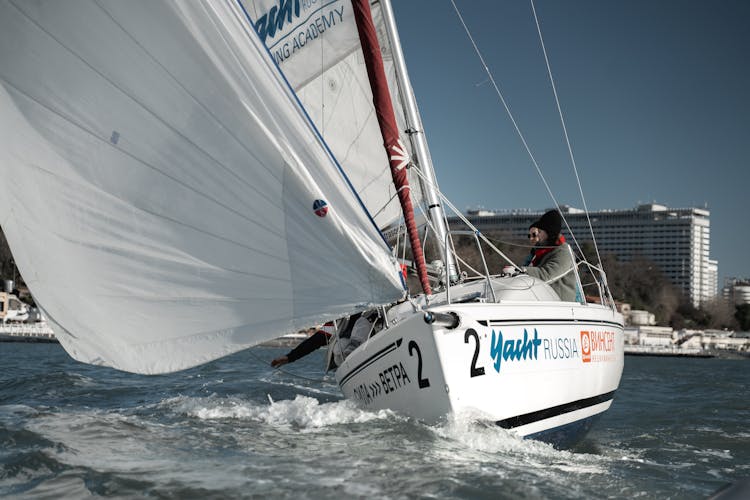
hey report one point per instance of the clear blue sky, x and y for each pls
(655, 96)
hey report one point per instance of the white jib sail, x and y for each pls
(317, 47)
(159, 183)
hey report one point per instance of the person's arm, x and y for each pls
(311, 343)
(555, 264)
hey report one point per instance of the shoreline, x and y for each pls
(40, 333)
(672, 352)
(666, 352)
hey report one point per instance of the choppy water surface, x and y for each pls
(678, 428)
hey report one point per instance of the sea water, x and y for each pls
(234, 428)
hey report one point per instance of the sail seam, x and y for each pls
(202, 105)
(142, 209)
(131, 155)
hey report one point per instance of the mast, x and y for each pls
(414, 121)
(395, 150)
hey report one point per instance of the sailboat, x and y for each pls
(203, 176)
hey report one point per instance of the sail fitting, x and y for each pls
(387, 120)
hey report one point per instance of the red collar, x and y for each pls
(542, 251)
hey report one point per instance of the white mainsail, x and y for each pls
(316, 45)
(159, 182)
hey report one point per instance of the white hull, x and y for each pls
(557, 366)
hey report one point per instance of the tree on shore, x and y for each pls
(742, 315)
(640, 283)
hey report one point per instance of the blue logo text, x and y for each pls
(511, 350)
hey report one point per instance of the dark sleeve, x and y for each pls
(311, 343)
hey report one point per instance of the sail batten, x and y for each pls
(162, 189)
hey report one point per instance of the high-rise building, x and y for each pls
(713, 278)
(737, 291)
(676, 239)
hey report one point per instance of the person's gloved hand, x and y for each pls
(279, 361)
(509, 271)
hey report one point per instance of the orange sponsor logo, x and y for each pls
(595, 345)
(586, 347)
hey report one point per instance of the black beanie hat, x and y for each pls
(551, 222)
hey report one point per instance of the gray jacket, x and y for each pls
(554, 264)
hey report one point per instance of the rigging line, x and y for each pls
(386, 203)
(565, 132)
(258, 358)
(402, 231)
(425, 213)
(370, 334)
(512, 244)
(467, 265)
(520, 245)
(512, 119)
(482, 236)
(429, 225)
(470, 225)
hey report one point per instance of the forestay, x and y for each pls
(159, 181)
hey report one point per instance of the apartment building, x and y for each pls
(678, 240)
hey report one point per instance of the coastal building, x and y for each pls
(664, 341)
(675, 239)
(737, 291)
(638, 317)
(717, 340)
(713, 276)
(655, 336)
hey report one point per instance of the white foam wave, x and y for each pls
(711, 454)
(333, 388)
(302, 411)
(80, 380)
(472, 440)
(21, 410)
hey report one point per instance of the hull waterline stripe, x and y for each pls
(364, 364)
(528, 418)
(568, 321)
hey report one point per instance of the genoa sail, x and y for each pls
(167, 199)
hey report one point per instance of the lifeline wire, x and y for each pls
(466, 221)
(284, 371)
(497, 250)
